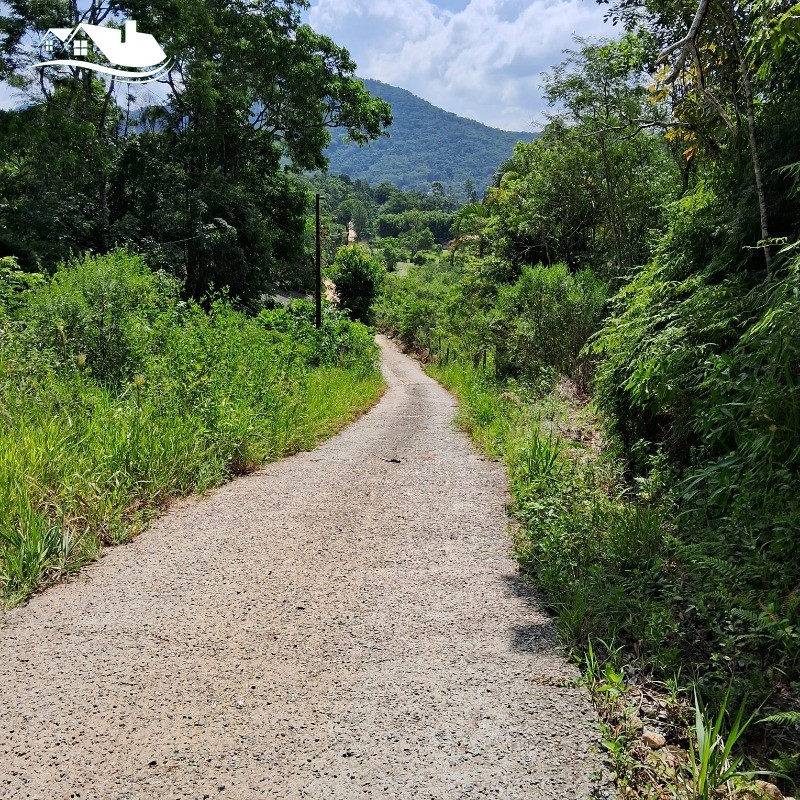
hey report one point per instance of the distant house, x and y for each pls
(133, 49)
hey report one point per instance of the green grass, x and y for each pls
(621, 574)
(104, 424)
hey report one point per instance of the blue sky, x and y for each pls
(482, 59)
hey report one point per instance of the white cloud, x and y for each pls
(483, 62)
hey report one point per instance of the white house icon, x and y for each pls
(137, 51)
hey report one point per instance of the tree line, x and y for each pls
(399, 225)
(204, 179)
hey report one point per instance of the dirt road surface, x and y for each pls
(343, 624)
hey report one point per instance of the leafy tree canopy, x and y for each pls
(202, 180)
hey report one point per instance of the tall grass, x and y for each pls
(616, 566)
(116, 397)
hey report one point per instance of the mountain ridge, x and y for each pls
(426, 144)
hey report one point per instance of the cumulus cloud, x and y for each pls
(482, 61)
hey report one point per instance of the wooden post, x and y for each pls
(318, 316)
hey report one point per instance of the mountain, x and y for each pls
(427, 144)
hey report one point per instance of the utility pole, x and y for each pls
(319, 270)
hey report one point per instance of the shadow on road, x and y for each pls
(539, 635)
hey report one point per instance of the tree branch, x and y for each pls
(684, 44)
(701, 85)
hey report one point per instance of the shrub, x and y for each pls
(106, 309)
(544, 319)
(358, 278)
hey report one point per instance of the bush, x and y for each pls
(676, 310)
(106, 309)
(358, 278)
(117, 397)
(340, 342)
(536, 324)
(412, 305)
(544, 319)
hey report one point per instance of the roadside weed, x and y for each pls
(713, 763)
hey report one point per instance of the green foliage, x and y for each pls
(591, 189)
(106, 310)
(712, 761)
(434, 225)
(544, 319)
(405, 222)
(358, 278)
(201, 182)
(116, 397)
(427, 145)
(703, 364)
(338, 343)
(51, 155)
(667, 320)
(533, 327)
(410, 305)
(14, 285)
(390, 256)
(783, 718)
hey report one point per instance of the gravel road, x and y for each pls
(343, 624)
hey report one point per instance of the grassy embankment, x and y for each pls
(116, 397)
(603, 558)
(652, 608)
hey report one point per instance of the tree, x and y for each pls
(358, 279)
(689, 51)
(210, 190)
(390, 256)
(728, 69)
(355, 211)
(469, 225)
(589, 191)
(470, 193)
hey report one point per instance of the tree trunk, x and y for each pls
(747, 87)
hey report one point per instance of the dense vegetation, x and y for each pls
(116, 396)
(426, 145)
(399, 226)
(203, 182)
(667, 546)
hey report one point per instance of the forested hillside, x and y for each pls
(427, 144)
(620, 318)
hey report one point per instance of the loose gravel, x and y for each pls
(346, 623)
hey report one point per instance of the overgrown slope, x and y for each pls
(116, 397)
